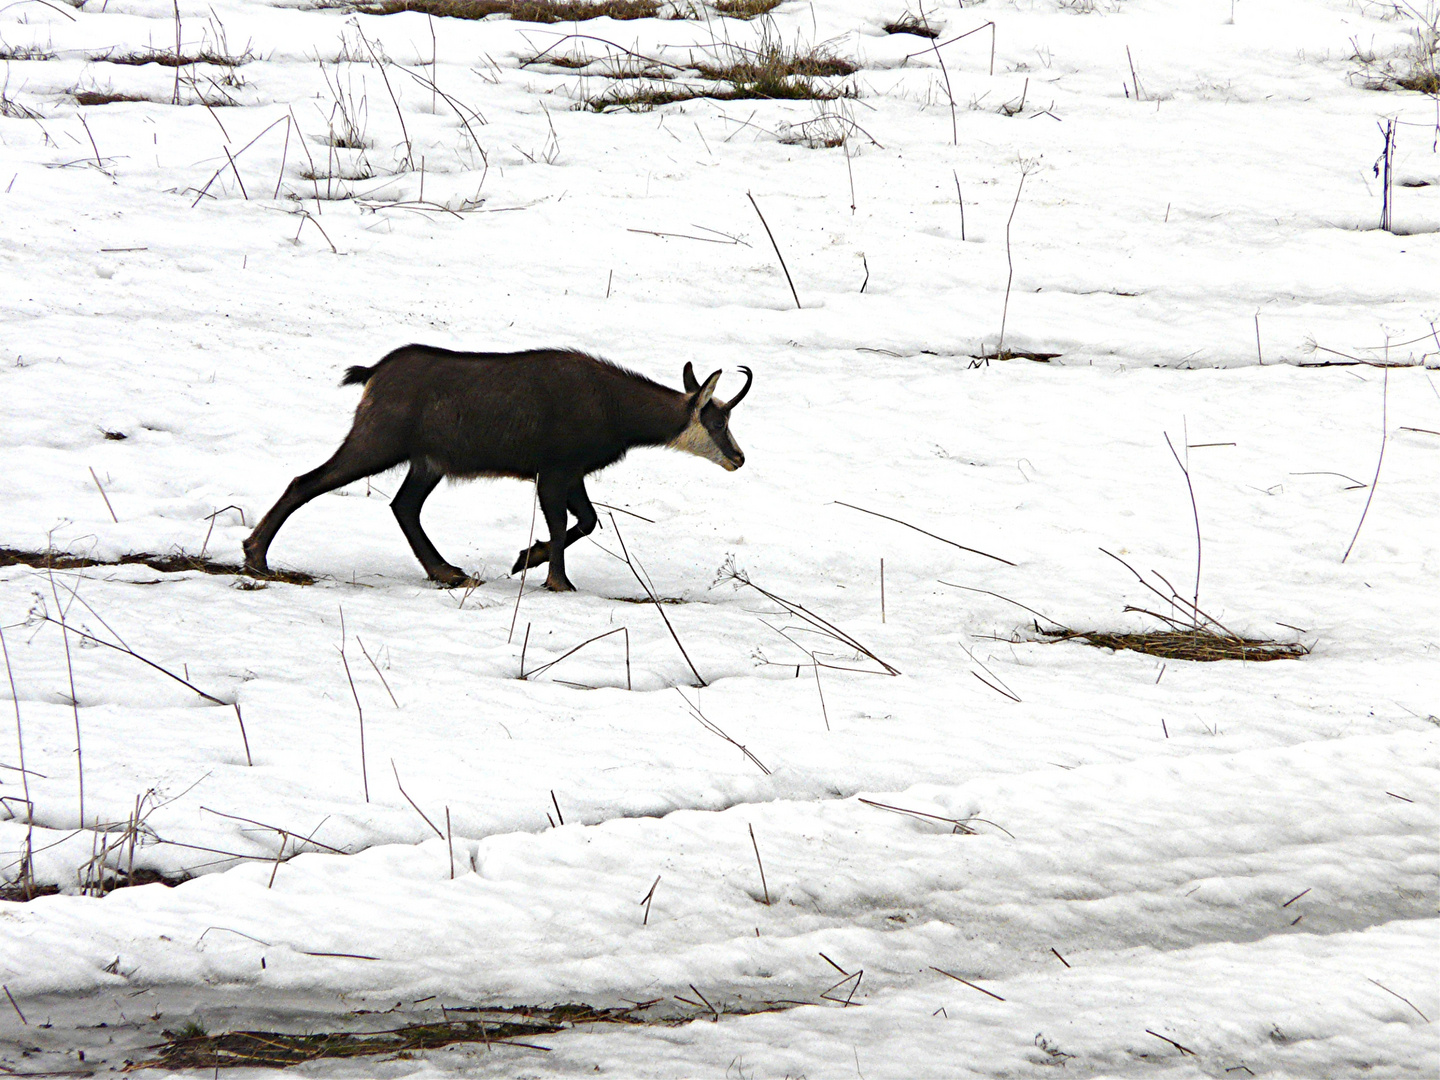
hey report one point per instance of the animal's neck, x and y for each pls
(659, 417)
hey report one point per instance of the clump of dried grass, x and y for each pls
(1198, 644)
(772, 70)
(25, 52)
(1414, 67)
(204, 55)
(194, 1048)
(746, 9)
(108, 97)
(912, 24)
(536, 11)
(174, 563)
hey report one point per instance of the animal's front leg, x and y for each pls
(554, 491)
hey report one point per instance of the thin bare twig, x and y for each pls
(359, 712)
(1384, 435)
(376, 666)
(776, 246)
(545, 667)
(1402, 998)
(101, 488)
(1194, 509)
(952, 543)
(817, 624)
(755, 844)
(656, 601)
(411, 801)
(711, 727)
(649, 896)
(967, 982)
(1010, 262)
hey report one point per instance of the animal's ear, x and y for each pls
(706, 392)
(690, 384)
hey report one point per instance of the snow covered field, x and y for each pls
(1166, 868)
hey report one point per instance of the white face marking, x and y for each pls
(696, 440)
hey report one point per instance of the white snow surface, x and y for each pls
(1168, 868)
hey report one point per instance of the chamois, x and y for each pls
(549, 415)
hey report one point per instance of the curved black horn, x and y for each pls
(749, 378)
(691, 383)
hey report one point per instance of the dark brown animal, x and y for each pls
(549, 415)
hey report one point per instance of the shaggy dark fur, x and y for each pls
(550, 415)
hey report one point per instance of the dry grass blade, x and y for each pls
(131, 652)
(714, 729)
(588, 641)
(967, 982)
(647, 898)
(756, 844)
(310, 839)
(814, 623)
(788, 280)
(654, 599)
(958, 825)
(925, 532)
(425, 817)
(1379, 461)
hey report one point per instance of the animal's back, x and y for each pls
(504, 414)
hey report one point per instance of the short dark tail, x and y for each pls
(359, 375)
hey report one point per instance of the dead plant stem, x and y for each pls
(776, 246)
(1009, 262)
(755, 844)
(1384, 435)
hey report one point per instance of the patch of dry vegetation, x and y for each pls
(193, 1048)
(912, 24)
(1416, 66)
(1203, 645)
(177, 563)
(746, 9)
(770, 71)
(109, 97)
(536, 11)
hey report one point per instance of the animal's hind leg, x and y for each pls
(349, 463)
(418, 485)
(578, 503)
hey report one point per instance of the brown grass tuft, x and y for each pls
(746, 9)
(109, 97)
(193, 1048)
(911, 24)
(536, 11)
(1202, 645)
(167, 564)
(770, 71)
(171, 59)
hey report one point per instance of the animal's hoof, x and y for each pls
(532, 557)
(559, 584)
(452, 577)
(254, 559)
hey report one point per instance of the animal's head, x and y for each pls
(707, 434)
